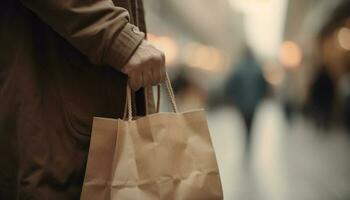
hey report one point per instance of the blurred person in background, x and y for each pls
(246, 88)
(328, 101)
(61, 64)
(321, 98)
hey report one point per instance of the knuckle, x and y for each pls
(153, 59)
(162, 55)
(129, 69)
(142, 60)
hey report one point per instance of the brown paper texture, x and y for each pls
(163, 156)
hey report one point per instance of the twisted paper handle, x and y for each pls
(170, 94)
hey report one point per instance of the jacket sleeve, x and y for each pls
(97, 28)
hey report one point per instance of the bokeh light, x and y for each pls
(344, 38)
(205, 57)
(290, 54)
(273, 73)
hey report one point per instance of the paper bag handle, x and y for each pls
(170, 94)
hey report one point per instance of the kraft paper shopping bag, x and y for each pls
(162, 156)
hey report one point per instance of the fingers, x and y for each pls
(157, 76)
(135, 81)
(146, 67)
(158, 70)
(141, 79)
(162, 72)
(146, 78)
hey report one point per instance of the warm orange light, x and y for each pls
(290, 54)
(204, 57)
(273, 73)
(167, 45)
(344, 38)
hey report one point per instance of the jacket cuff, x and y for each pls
(124, 46)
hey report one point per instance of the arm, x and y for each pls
(97, 28)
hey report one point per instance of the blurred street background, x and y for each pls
(274, 78)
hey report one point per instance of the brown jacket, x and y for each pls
(59, 62)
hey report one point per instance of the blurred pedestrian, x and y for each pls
(329, 90)
(321, 98)
(246, 88)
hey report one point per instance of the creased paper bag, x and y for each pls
(162, 156)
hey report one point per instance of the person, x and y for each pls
(328, 93)
(61, 64)
(321, 98)
(246, 88)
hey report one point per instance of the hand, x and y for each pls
(146, 67)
